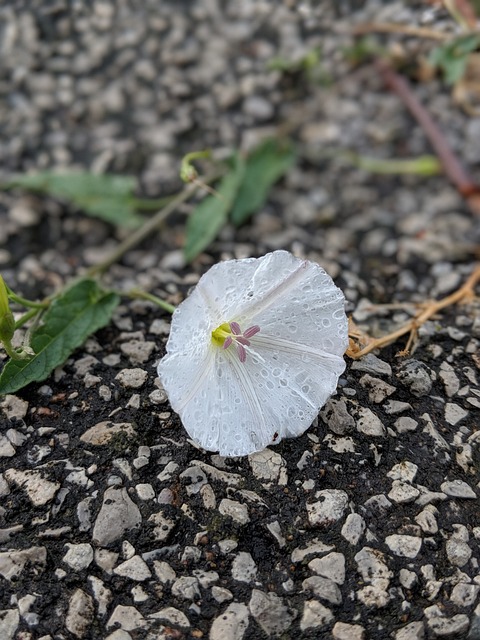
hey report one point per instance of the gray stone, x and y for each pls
(39, 490)
(354, 528)
(106, 559)
(449, 379)
(231, 624)
(427, 521)
(458, 489)
(402, 492)
(377, 389)
(163, 526)
(132, 378)
(103, 432)
(270, 612)
(191, 554)
(315, 615)
(173, 616)
(145, 491)
(102, 595)
(374, 595)
(458, 552)
(206, 578)
(258, 107)
(269, 466)
(134, 568)
(404, 546)
(330, 566)
(369, 423)
(235, 510)
(127, 618)
(416, 376)
(197, 479)
(324, 588)
(404, 424)
(454, 413)
(164, 571)
(119, 634)
(244, 568)
(372, 566)
(330, 507)
(80, 613)
(138, 351)
(345, 631)
(186, 587)
(7, 450)
(220, 594)
(448, 627)
(395, 406)
(379, 503)
(117, 515)
(9, 621)
(464, 595)
(14, 407)
(372, 364)
(78, 556)
(404, 471)
(412, 631)
(408, 579)
(336, 416)
(315, 548)
(276, 531)
(12, 563)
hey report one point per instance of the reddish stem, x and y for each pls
(451, 164)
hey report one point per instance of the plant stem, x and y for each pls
(149, 227)
(26, 317)
(27, 303)
(144, 295)
(144, 204)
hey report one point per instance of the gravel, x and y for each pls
(113, 524)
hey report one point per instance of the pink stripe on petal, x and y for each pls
(243, 340)
(242, 354)
(235, 328)
(228, 342)
(251, 331)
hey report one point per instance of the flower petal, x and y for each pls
(233, 402)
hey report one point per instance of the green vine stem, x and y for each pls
(138, 294)
(27, 303)
(150, 226)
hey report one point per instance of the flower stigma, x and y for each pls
(230, 333)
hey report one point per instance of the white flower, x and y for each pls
(254, 352)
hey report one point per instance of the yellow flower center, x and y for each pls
(220, 334)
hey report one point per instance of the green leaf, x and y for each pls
(108, 197)
(206, 220)
(265, 165)
(452, 57)
(70, 319)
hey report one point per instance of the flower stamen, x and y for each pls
(230, 333)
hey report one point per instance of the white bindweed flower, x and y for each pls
(254, 352)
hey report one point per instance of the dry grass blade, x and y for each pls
(361, 343)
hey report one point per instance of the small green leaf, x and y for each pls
(452, 57)
(108, 197)
(265, 165)
(70, 319)
(211, 214)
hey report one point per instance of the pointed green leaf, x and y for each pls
(452, 57)
(108, 197)
(265, 165)
(70, 319)
(206, 220)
